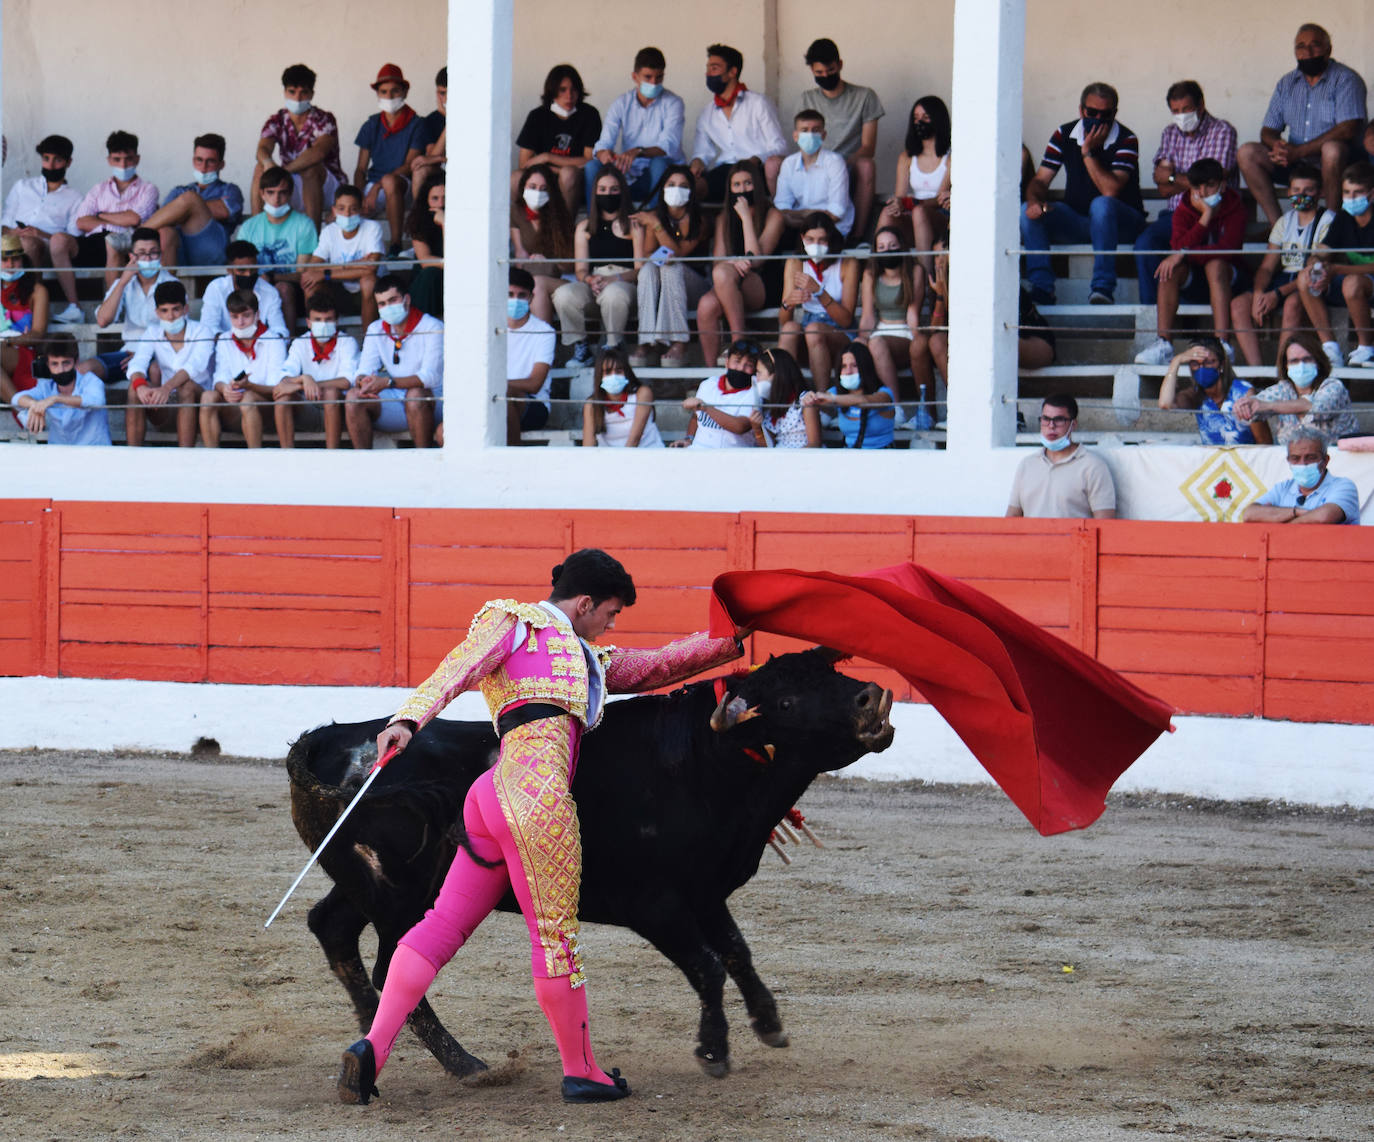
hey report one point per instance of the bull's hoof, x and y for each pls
(776, 1038)
(358, 1074)
(715, 1065)
(465, 1066)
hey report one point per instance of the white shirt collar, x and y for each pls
(1077, 133)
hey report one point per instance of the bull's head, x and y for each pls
(799, 706)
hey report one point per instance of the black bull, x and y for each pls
(677, 795)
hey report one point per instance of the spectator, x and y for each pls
(892, 292)
(1312, 495)
(196, 219)
(172, 366)
(605, 269)
(319, 368)
(851, 114)
(560, 134)
(647, 123)
(305, 140)
(283, 238)
(1194, 134)
(782, 420)
(248, 364)
(436, 130)
(541, 232)
(351, 246)
(1211, 214)
(724, 405)
(865, 408)
(919, 205)
(1306, 396)
(388, 143)
(23, 298)
(930, 344)
(1062, 479)
(1101, 202)
(747, 229)
(1350, 265)
(108, 214)
(814, 178)
(1276, 289)
(737, 124)
(425, 225)
(668, 287)
(131, 300)
(400, 382)
(1217, 394)
(819, 293)
(242, 259)
(529, 357)
(16, 371)
(620, 411)
(42, 209)
(1321, 104)
(68, 405)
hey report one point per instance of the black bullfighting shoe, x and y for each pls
(358, 1075)
(586, 1090)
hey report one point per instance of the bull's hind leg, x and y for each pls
(337, 923)
(425, 1022)
(728, 943)
(674, 932)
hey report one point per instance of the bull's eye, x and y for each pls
(785, 704)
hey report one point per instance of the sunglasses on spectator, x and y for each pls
(1101, 114)
(1055, 421)
(745, 349)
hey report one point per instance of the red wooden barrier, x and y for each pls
(1240, 620)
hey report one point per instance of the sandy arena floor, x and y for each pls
(944, 973)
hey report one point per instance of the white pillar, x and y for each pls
(989, 51)
(477, 239)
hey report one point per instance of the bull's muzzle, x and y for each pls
(873, 709)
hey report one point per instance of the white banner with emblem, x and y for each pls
(1214, 484)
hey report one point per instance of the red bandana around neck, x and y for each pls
(249, 348)
(399, 121)
(721, 101)
(411, 321)
(532, 215)
(325, 351)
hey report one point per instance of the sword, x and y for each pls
(329, 836)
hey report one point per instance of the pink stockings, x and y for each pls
(469, 893)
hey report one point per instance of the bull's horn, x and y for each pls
(730, 712)
(770, 751)
(830, 655)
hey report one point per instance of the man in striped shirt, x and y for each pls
(1322, 105)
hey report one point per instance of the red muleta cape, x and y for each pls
(1053, 726)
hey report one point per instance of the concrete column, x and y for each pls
(989, 51)
(476, 243)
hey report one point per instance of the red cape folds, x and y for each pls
(1053, 726)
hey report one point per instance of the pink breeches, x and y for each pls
(520, 815)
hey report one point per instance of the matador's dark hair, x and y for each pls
(592, 572)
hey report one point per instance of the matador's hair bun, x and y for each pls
(592, 572)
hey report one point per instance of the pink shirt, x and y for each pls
(293, 141)
(105, 198)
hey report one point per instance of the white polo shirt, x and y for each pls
(737, 403)
(335, 246)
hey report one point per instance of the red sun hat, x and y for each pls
(390, 73)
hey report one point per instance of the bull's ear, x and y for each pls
(731, 712)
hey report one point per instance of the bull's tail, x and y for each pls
(458, 838)
(300, 768)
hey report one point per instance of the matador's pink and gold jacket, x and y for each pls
(523, 652)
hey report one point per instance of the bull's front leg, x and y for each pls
(729, 944)
(675, 933)
(337, 922)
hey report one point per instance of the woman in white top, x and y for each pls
(819, 295)
(921, 196)
(782, 421)
(620, 411)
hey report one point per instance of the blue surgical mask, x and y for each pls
(517, 308)
(850, 381)
(1302, 373)
(393, 314)
(205, 178)
(1307, 475)
(124, 174)
(348, 222)
(1056, 445)
(614, 383)
(1204, 376)
(11, 275)
(175, 326)
(651, 90)
(1355, 206)
(1211, 199)
(809, 141)
(277, 211)
(323, 330)
(150, 268)
(296, 107)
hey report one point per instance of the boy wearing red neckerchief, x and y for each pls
(319, 368)
(388, 143)
(737, 124)
(724, 405)
(400, 372)
(248, 363)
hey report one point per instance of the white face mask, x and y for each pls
(561, 111)
(850, 381)
(614, 383)
(244, 332)
(816, 250)
(765, 388)
(535, 198)
(677, 196)
(391, 106)
(323, 330)
(297, 107)
(1188, 121)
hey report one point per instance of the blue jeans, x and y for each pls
(640, 187)
(1155, 236)
(1109, 221)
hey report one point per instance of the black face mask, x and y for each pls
(1313, 67)
(66, 377)
(245, 281)
(888, 261)
(715, 84)
(608, 203)
(738, 378)
(55, 175)
(923, 129)
(828, 82)
(747, 195)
